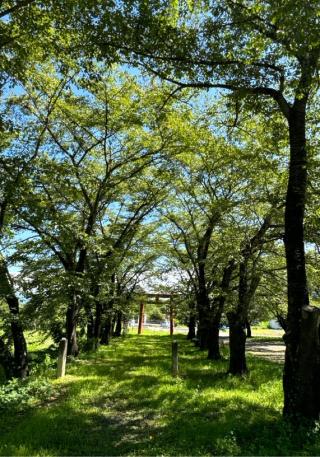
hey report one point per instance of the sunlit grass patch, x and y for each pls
(123, 400)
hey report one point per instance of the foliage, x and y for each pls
(18, 395)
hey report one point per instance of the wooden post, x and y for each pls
(175, 364)
(171, 320)
(141, 317)
(62, 358)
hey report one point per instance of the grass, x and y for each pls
(37, 341)
(267, 332)
(123, 400)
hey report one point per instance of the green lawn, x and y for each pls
(123, 401)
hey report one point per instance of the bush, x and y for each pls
(20, 394)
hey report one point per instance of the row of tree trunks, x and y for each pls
(94, 318)
(101, 327)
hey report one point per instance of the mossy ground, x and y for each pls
(123, 400)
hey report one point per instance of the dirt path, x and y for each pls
(268, 349)
(271, 350)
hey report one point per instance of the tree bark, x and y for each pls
(213, 341)
(309, 363)
(248, 328)
(216, 312)
(118, 328)
(20, 356)
(21, 368)
(204, 318)
(237, 344)
(202, 296)
(203, 333)
(238, 318)
(282, 321)
(293, 379)
(90, 345)
(125, 325)
(106, 331)
(191, 326)
(71, 325)
(6, 360)
(141, 318)
(98, 323)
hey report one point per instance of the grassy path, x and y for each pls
(123, 401)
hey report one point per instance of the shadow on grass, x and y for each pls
(123, 400)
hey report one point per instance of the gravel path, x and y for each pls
(271, 350)
(268, 349)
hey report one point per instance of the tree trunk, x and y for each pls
(203, 333)
(237, 344)
(294, 381)
(218, 307)
(125, 325)
(282, 320)
(118, 328)
(171, 319)
(248, 328)
(237, 320)
(20, 355)
(90, 333)
(191, 326)
(213, 341)
(204, 319)
(6, 360)
(106, 331)
(141, 318)
(71, 325)
(98, 323)
(309, 363)
(21, 369)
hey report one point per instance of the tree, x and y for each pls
(79, 197)
(203, 194)
(257, 50)
(247, 286)
(212, 251)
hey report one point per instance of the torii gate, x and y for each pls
(156, 301)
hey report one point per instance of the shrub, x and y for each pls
(20, 394)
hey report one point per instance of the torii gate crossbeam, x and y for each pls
(156, 297)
